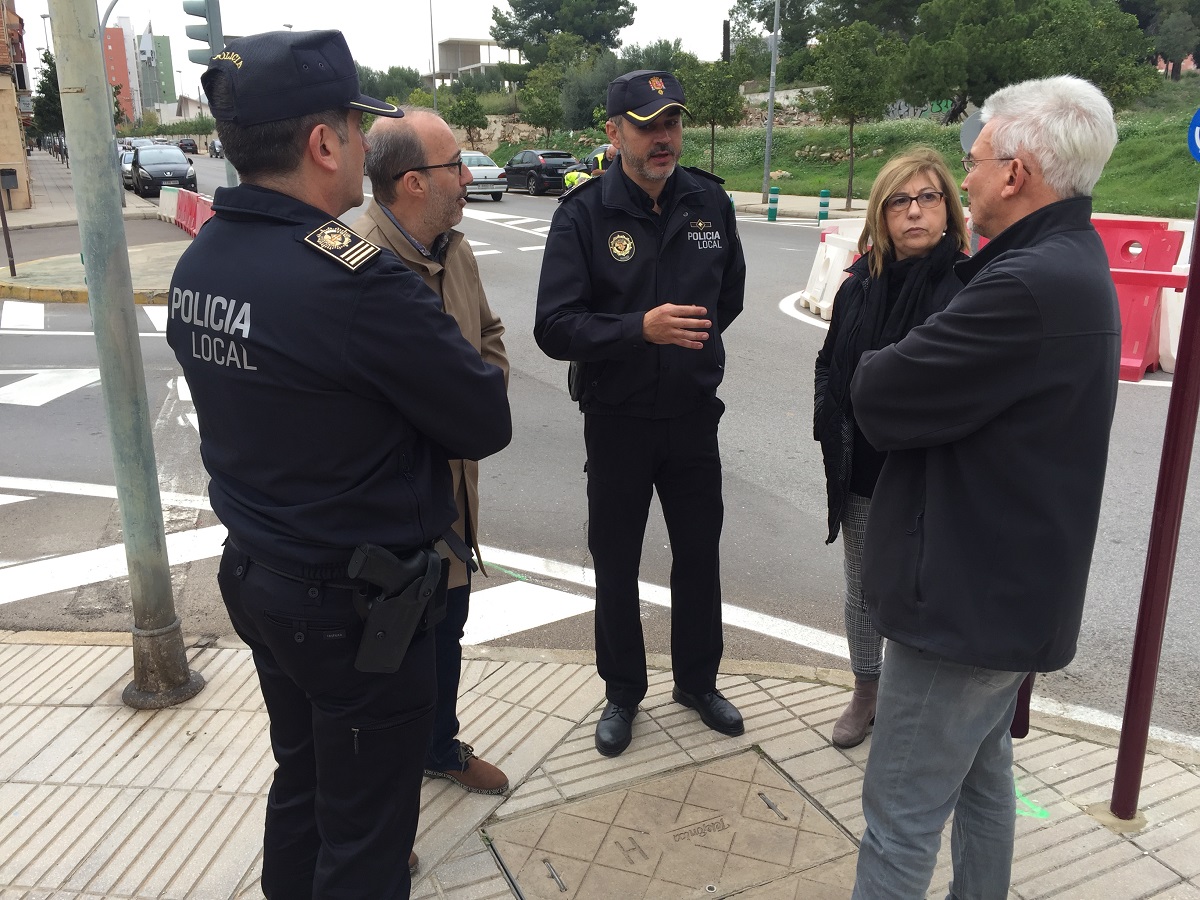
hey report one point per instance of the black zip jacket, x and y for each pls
(329, 398)
(996, 416)
(608, 261)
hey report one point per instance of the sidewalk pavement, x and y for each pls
(101, 801)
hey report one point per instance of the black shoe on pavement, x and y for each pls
(614, 731)
(715, 711)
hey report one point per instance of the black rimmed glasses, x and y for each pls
(455, 166)
(925, 200)
(969, 163)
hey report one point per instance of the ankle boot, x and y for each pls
(858, 717)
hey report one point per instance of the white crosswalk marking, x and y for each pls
(40, 386)
(538, 247)
(23, 315)
(11, 498)
(157, 316)
(486, 252)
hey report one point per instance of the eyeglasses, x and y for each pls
(925, 200)
(969, 163)
(456, 166)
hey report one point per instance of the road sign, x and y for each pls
(1193, 139)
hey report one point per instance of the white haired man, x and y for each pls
(996, 416)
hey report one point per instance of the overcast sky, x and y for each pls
(381, 35)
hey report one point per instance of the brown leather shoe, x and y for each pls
(414, 863)
(476, 776)
(857, 718)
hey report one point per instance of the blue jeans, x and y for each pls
(941, 745)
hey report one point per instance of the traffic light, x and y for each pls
(209, 33)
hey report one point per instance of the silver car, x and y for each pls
(127, 169)
(489, 177)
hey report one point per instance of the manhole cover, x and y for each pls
(711, 830)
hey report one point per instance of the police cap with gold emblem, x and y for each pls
(284, 75)
(644, 94)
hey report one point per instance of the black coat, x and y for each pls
(607, 263)
(833, 418)
(322, 374)
(995, 415)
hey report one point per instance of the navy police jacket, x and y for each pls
(609, 260)
(330, 386)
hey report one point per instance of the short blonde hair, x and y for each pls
(875, 241)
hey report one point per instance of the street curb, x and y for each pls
(40, 294)
(134, 212)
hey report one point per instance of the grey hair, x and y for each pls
(1063, 124)
(393, 149)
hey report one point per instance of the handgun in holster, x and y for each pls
(412, 597)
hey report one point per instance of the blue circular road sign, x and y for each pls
(1193, 138)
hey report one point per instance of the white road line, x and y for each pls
(486, 252)
(23, 315)
(519, 606)
(5, 499)
(527, 249)
(471, 243)
(157, 316)
(40, 386)
(528, 606)
(787, 306)
(183, 389)
(523, 221)
(10, 332)
(105, 491)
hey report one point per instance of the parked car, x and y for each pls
(140, 142)
(594, 156)
(188, 145)
(127, 169)
(215, 149)
(488, 177)
(538, 170)
(157, 166)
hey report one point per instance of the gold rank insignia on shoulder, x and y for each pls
(336, 240)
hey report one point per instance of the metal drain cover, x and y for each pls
(711, 830)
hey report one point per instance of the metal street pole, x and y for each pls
(433, 58)
(771, 107)
(160, 670)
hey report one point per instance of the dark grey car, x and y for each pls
(159, 165)
(538, 170)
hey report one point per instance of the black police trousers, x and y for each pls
(628, 459)
(350, 746)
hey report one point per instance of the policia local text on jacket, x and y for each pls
(995, 414)
(651, 411)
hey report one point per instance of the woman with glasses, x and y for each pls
(914, 235)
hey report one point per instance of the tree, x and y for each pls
(541, 98)
(1094, 39)
(1177, 37)
(713, 98)
(119, 117)
(420, 97)
(531, 24)
(662, 55)
(796, 20)
(584, 87)
(398, 81)
(465, 112)
(47, 104)
(856, 66)
(895, 16)
(968, 49)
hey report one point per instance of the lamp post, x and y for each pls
(45, 33)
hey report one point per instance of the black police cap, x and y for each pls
(644, 94)
(284, 75)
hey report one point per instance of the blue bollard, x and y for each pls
(773, 204)
(823, 210)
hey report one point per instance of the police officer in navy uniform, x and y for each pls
(331, 389)
(643, 271)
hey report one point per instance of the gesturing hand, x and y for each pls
(675, 324)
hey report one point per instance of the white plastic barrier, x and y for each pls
(1170, 319)
(168, 200)
(850, 228)
(834, 254)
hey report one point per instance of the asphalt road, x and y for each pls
(774, 559)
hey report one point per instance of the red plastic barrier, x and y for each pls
(203, 212)
(1138, 245)
(185, 212)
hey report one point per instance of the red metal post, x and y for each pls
(1160, 554)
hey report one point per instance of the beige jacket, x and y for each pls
(457, 283)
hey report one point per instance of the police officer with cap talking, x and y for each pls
(331, 389)
(643, 271)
